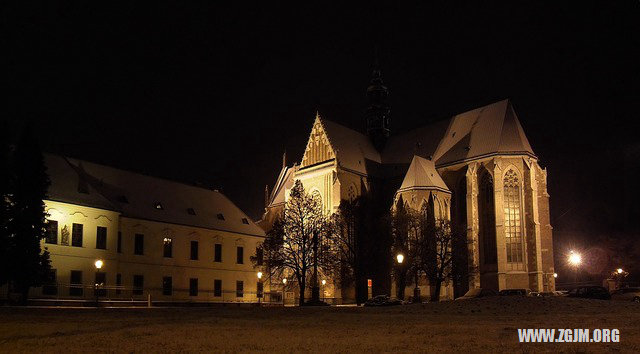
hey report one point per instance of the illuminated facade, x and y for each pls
(157, 238)
(478, 167)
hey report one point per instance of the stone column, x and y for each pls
(536, 279)
(498, 199)
(472, 225)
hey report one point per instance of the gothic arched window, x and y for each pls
(512, 218)
(487, 219)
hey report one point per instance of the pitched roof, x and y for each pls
(422, 174)
(494, 128)
(137, 196)
(352, 148)
(284, 182)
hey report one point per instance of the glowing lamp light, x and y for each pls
(620, 271)
(99, 263)
(259, 275)
(575, 259)
(284, 281)
(400, 258)
(555, 275)
(324, 282)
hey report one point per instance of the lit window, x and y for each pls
(512, 221)
(191, 211)
(220, 216)
(158, 206)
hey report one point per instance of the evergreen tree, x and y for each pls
(28, 263)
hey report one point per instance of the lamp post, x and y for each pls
(284, 283)
(400, 277)
(259, 290)
(98, 264)
(323, 284)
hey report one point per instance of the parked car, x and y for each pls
(626, 294)
(515, 292)
(561, 293)
(535, 294)
(382, 300)
(590, 292)
(477, 293)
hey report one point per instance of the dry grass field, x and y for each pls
(478, 326)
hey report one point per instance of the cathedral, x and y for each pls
(477, 167)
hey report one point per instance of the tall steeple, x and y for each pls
(377, 114)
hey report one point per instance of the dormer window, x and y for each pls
(123, 199)
(245, 221)
(191, 211)
(158, 206)
(220, 216)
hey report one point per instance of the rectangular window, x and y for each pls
(138, 284)
(193, 287)
(75, 283)
(194, 250)
(259, 256)
(167, 286)
(240, 255)
(52, 232)
(100, 283)
(138, 247)
(50, 286)
(217, 255)
(118, 283)
(260, 289)
(119, 242)
(217, 287)
(239, 288)
(167, 247)
(101, 238)
(76, 235)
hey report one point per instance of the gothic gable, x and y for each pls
(318, 148)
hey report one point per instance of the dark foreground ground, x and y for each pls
(480, 326)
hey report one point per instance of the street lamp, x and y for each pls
(620, 271)
(99, 263)
(323, 284)
(400, 258)
(555, 275)
(575, 259)
(259, 292)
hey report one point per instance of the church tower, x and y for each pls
(377, 114)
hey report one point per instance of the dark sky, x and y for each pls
(197, 92)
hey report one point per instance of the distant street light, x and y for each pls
(259, 291)
(555, 275)
(400, 258)
(99, 263)
(284, 281)
(323, 284)
(620, 271)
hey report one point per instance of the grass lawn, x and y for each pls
(480, 326)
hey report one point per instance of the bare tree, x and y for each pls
(406, 232)
(437, 253)
(297, 243)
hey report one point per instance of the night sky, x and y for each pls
(200, 93)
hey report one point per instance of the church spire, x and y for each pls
(377, 114)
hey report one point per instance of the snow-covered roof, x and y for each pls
(352, 148)
(422, 174)
(144, 197)
(494, 128)
(283, 183)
